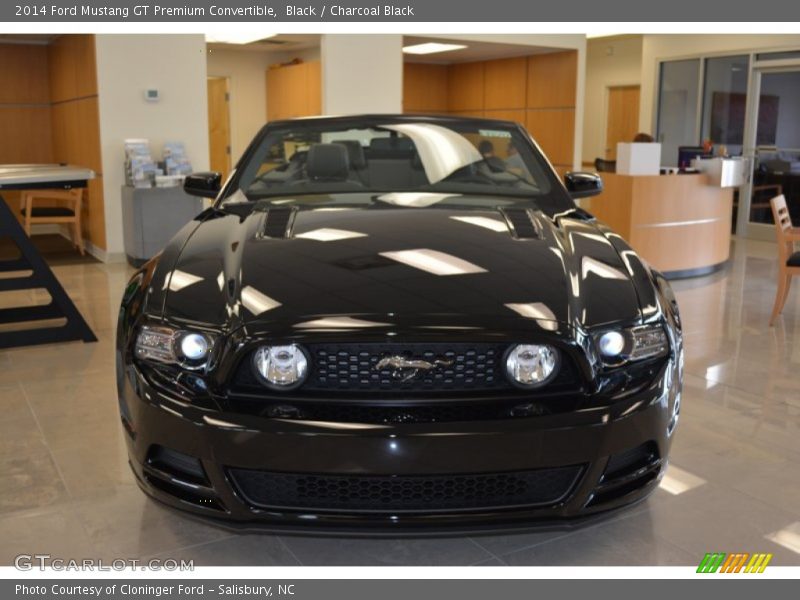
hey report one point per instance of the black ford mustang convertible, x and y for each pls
(396, 323)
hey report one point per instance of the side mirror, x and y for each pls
(583, 185)
(205, 185)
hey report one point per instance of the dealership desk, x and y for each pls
(680, 224)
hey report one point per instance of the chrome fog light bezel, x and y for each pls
(556, 354)
(303, 370)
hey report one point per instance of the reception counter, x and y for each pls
(680, 224)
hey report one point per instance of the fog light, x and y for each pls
(531, 365)
(281, 367)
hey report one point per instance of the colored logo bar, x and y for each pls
(738, 562)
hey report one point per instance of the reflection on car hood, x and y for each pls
(347, 268)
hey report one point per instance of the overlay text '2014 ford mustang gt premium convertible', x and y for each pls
(397, 323)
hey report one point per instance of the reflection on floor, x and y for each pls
(734, 484)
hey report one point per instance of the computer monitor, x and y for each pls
(686, 154)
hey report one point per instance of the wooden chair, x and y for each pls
(67, 214)
(788, 259)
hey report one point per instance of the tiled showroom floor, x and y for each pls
(734, 483)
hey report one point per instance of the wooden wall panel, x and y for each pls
(24, 70)
(552, 80)
(537, 91)
(425, 88)
(75, 122)
(94, 219)
(63, 69)
(554, 130)
(274, 87)
(89, 136)
(505, 83)
(25, 134)
(516, 115)
(465, 83)
(314, 85)
(85, 65)
(294, 91)
(49, 113)
(468, 113)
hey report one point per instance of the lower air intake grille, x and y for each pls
(405, 493)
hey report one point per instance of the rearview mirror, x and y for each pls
(205, 185)
(583, 185)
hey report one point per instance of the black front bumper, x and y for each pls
(620, 452)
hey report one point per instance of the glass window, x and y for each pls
(777, 169)
(790, 54)
(344, 158)
(677, 107)
(724, 99)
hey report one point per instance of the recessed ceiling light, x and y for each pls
(431, 48)
(236, 37)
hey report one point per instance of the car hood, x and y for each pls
(336, 268)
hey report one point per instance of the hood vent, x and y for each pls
(523, 223)
(278, 223)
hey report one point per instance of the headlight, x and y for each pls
(531, 365)
(618, 346)
(194, 346)
(281, 367)
(189, 349)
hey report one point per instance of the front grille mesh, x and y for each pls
(353, 366)
(404, 493)
(474, 368)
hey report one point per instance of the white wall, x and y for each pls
(246, 73)
(669, 47)
(362, 74)
(126, 66)
(609, 62)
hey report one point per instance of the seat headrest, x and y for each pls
(327, 162)
(355, 153)
(391, 144)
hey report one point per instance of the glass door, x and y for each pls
(772, 142)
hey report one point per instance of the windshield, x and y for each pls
(438, 159)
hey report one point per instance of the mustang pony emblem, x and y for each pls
(405, 369)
